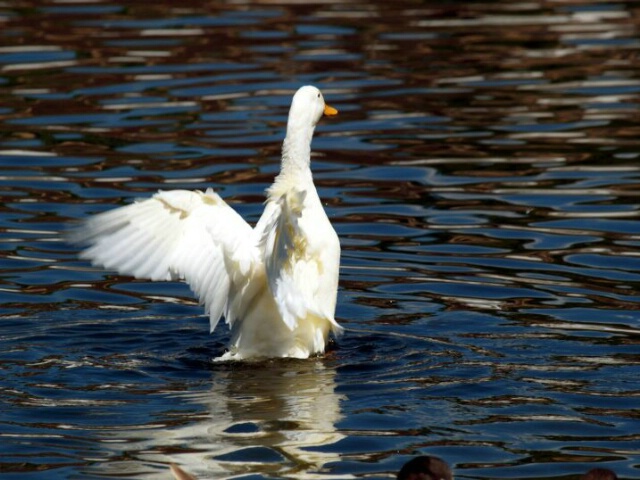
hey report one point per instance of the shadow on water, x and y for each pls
(482, 176)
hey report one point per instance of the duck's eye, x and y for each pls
(318, 95)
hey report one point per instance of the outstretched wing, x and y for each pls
(174, 235)
(301, 259)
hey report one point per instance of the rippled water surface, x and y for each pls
(483, 176)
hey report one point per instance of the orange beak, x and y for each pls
(330, 110)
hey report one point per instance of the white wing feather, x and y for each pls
(174, 235)
(302, 274)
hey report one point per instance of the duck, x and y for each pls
(275, 283)
(599, 473)
(425, 467)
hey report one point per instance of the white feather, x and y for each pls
(276, 284)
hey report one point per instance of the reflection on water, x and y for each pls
(482, 176)
(272, 418)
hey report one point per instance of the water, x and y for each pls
(483, 176)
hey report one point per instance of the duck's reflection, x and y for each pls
(271, 418)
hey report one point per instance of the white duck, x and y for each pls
(275, 284)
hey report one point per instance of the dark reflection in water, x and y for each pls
(483, 177)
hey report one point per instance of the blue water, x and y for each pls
(483, 178)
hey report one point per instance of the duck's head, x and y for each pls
(307, 107)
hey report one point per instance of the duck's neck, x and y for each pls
(296, 151)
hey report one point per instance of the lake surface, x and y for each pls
(483, 176)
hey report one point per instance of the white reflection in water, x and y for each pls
(257, 418)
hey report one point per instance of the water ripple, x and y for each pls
(482, 176)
